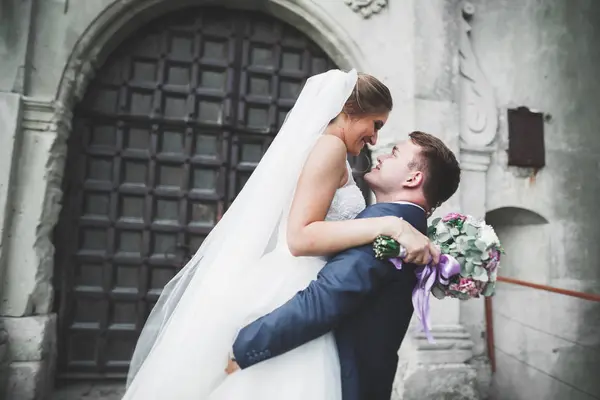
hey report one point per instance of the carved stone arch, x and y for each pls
(164, 138)
(123, 17)
(525, 236)
(516, 216)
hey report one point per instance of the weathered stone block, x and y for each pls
(102, 390)
(4, 359)
(31, 338)
(484, 374)
(443, 382)
(29, 380)
(3, 343)
(10, 114)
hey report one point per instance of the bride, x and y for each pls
(296, 209)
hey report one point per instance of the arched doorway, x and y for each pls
(514, 310)
(166, 136)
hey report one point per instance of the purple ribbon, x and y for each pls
(427, 276)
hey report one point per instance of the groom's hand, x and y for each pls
(232, 366)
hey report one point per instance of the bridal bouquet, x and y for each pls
(468, 266)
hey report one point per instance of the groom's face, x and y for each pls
(395, 170)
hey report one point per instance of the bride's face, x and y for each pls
(360, 131)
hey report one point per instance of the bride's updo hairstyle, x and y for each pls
(369, 96)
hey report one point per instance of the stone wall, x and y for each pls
(10, 114)
(545, 55)
(433, 54)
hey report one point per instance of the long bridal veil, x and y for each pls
(243, 234)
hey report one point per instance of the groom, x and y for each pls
(365, 301)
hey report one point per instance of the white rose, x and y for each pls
(483, 277)
(488, 235)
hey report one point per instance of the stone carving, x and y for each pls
(366, 7)
(53, 119)
(479, 115)
(479, 119)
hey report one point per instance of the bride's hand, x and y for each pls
(419, 249)
(232, 366)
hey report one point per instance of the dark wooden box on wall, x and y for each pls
(526, 138)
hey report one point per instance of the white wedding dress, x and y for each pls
(242, 271)
(310, 371)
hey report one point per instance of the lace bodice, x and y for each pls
(347, 202)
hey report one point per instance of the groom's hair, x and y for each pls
(442, 171)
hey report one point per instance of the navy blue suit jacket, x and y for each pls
(365, 301)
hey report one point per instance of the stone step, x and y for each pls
(443, 335)
(445, 344)
(453, 344)
(447, 331)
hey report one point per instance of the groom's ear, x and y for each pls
(414, 180)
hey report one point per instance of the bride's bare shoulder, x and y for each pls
(330, 146)
(328, 158)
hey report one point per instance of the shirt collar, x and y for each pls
(410, 204)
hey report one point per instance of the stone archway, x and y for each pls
(122, 18)
(165, 136)
(526, 238)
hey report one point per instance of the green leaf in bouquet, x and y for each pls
(480, 244)
(431, 231)
(454, 231)
(443, 237)
(474, 252)
(485, 256)
(478, 271)
(461, 260)
(477, 262)
(501, 249)
(490, 289)
(470, 230)
(469, 267)
(435, 221)
(438, 292)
